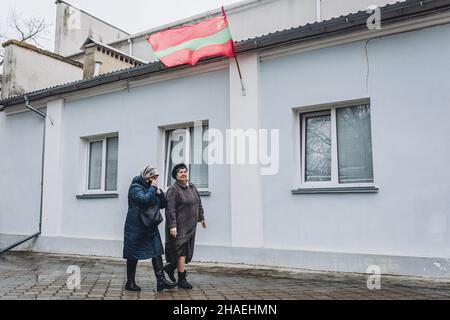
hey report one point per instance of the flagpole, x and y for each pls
(235, 57)
(240, 74)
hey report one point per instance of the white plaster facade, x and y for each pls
(254, 219)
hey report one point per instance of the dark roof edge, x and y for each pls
(390, 14)
(350, 23)
(144, 70)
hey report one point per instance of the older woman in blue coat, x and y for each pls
(142, 242)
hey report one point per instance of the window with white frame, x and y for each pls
(187, 145)
(336, 147)
(102, 164)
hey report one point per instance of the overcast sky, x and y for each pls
(132, 16)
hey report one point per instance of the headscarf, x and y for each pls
(149, 172)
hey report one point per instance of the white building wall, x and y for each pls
(246, 193)
(137, 115)
(26, 70)
(407, 86)
(404, 227)
(74, 26)
(21, 139)
(53, 170)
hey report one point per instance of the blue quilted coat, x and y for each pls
(141, 242)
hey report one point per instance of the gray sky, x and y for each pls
(132, 16)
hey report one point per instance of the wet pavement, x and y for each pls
(32, 276)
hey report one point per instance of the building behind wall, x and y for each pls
(102, 48)
(375, 195)
(28, 68)
(247, 19)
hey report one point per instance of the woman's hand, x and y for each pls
(204, 224)
(173, 232)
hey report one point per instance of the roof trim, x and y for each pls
(42, 51)
(391, 14)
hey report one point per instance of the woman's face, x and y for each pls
(182, 175)
(153, 179)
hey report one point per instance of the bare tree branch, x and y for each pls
(31, 29)
(26, 30)
(16, 24)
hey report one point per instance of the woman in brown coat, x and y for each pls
(184, 210)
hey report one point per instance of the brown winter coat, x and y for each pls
(184, 210)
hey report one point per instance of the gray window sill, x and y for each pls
(336, 190)
(204, 193)
(98, 196)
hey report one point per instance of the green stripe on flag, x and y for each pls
(221, 37)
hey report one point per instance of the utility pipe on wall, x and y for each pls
(318, 10)
(36, 235)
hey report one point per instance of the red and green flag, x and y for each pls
(189, 44)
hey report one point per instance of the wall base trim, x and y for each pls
(306, 260)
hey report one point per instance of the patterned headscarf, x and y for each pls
(149, 172)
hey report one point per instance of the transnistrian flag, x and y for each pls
(189, 44)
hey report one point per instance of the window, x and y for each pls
(337, 147)
(187, 145)
(102, 164)
(318, 147)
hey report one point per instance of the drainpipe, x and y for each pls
(318, 10)
(36, 235)
(97, 67)
(130, 47)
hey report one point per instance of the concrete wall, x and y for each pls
(407, 86)
(26, 70)
(141, 48)
(74, 26)
(136, 115)
(78, 57)
(21, 139)
(109, 63)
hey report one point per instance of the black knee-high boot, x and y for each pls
(131, 276)
(161, 282)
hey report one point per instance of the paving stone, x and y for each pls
(34, 276)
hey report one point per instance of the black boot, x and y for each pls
(161, 282)
(131, 275)
(170, 270)
(182, 282)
